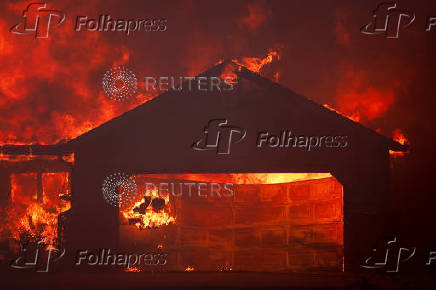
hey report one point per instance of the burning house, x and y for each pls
(309, 186)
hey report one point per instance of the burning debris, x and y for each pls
(143, 206)
(34, 211)
(151, 211)
(158, 204)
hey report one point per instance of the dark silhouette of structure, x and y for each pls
(157, 137)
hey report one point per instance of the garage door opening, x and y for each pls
(237, 222)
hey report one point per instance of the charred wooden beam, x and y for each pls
(57, 150)
(37, 165)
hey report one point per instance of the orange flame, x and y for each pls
(244, 178)
(36, 219)
(400, 138)
(255, 64)
(150, 219)
(132, 269)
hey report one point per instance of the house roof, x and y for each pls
(261, 82)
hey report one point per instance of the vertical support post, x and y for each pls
(5, 188)
(39, 187)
